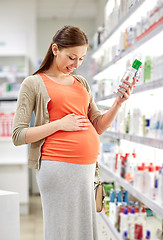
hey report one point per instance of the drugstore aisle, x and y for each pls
(31, 226)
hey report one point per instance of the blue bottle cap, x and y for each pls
(148, 234)
(119, 198)
(126, 197)
(125, 211)
(125, 235)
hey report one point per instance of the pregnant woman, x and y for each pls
(64, 143)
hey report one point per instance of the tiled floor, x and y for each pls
(31, 226)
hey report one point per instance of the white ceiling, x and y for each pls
(65, 9)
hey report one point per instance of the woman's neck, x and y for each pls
(53, 71)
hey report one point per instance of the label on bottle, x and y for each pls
(138, 231)
(136, 64)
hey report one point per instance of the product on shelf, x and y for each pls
(137, 123)
(124, 221)
(126, 216)
(147, 69)
(119, 11)
(131, 72)
(151, 70)
(13, 69)
(147, 178)
(112, 207)
(156, 125)
(6, 124)
(129, 36)
(131, 223)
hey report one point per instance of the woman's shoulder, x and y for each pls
(32, 80)
(83, 81)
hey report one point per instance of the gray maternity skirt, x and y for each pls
(68, 202)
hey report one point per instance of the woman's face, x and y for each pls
(68, 59)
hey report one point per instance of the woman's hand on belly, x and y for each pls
(73, 122)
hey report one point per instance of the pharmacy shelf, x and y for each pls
(151, 85)
(149, 35)
(109, 224)
(153, 205)
(8, 99)
(17, 75)
(119, 24)
(11, 163)
(148, 86)
(5, 139)
(151, 142)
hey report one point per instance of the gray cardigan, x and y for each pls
(33, 97)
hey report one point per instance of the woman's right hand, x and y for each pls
(73, 122)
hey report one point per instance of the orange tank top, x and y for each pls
(79, 147)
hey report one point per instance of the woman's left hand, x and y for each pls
(127, 90)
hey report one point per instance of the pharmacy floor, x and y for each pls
(31, 226)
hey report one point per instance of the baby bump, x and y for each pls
(77, 147)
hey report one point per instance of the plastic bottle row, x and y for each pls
(6, 121)
(126, 216)
(139, 124)
(145, 177)
(113, 51)
(151, 70)
(120, 10)
(148, 179)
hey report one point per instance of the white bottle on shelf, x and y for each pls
(140, 224)
(124, 221)
(112, 207)
(131, 223)
(139, 179)
(150, 180)
(143, 216)
(133, 165)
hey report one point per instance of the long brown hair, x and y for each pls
(68, 36)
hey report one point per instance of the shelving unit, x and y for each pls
(146, 38)
(143, 40)
(13, 69)
(151, 85)
(8, 99)
(151, 142)
(17, 75)
(132, 10)
(13, 161)
(156, 208)
(14, 64)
